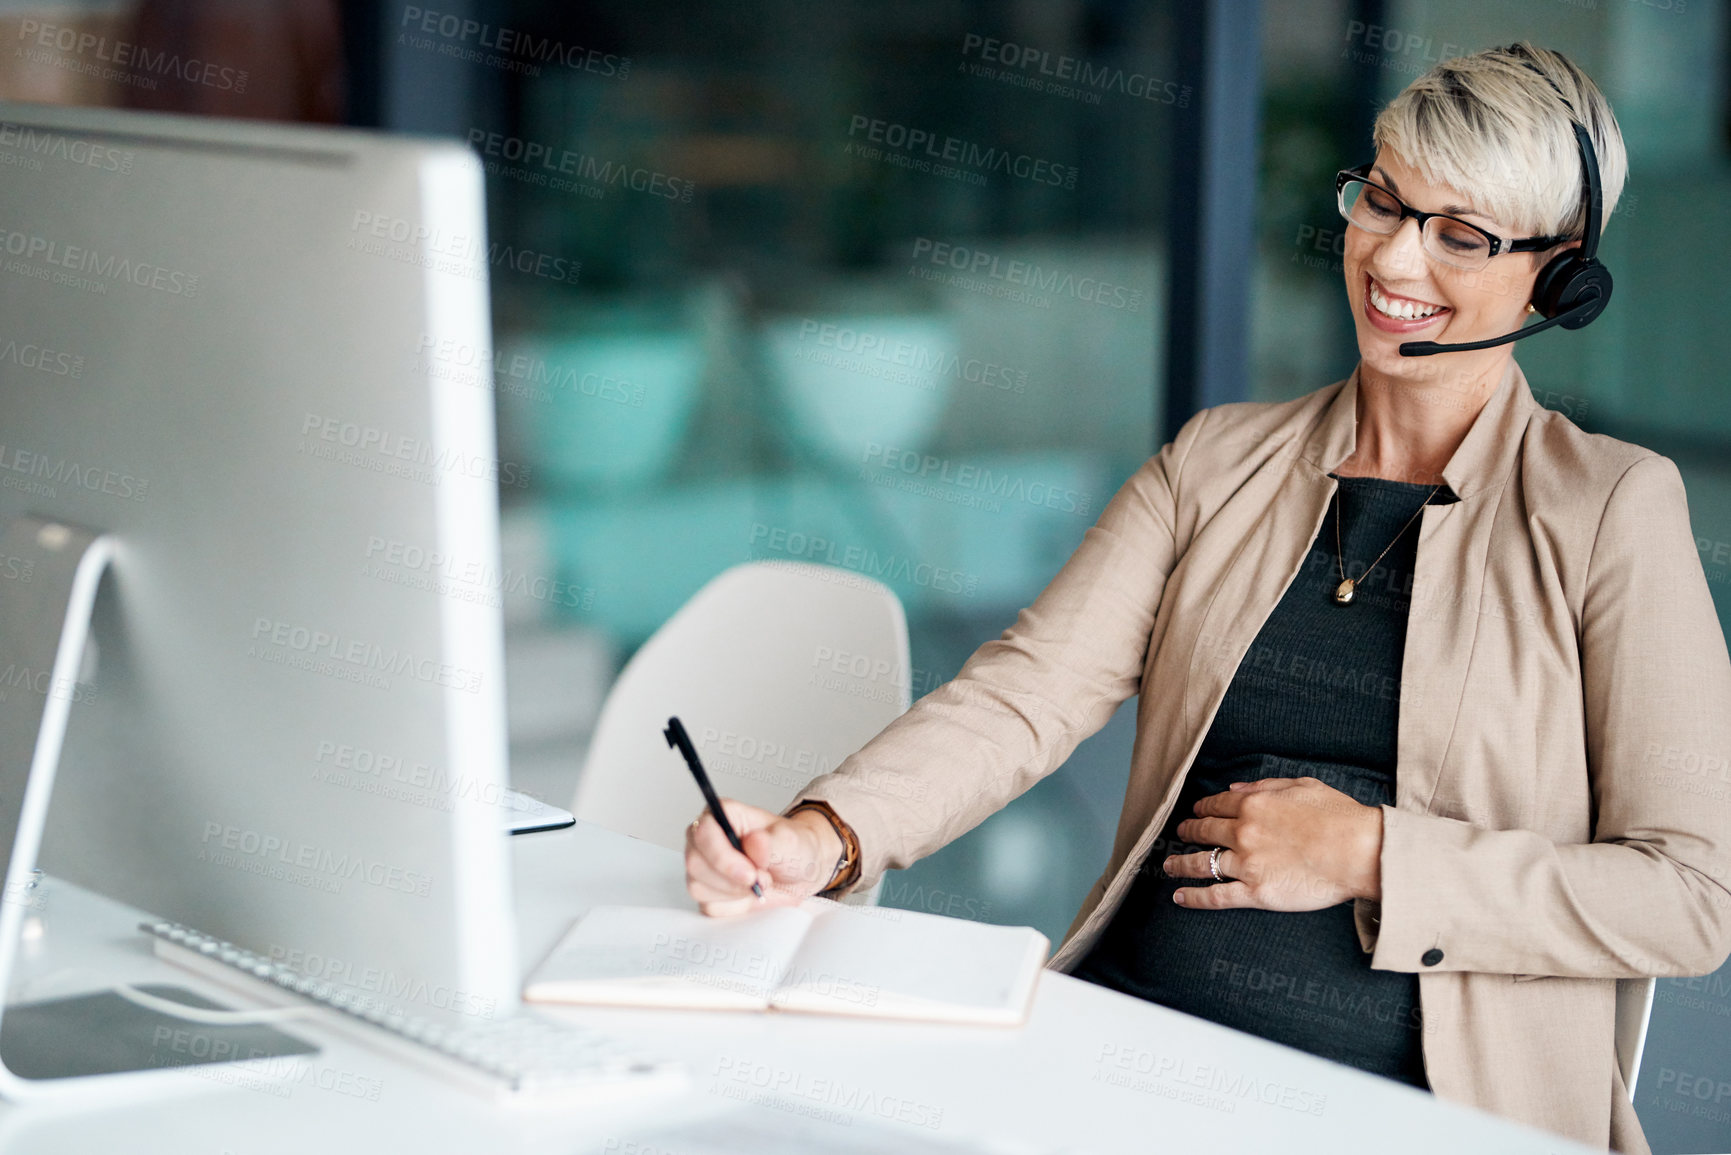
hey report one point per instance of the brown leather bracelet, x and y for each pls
(847, 867)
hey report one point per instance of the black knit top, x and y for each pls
(1318, 694)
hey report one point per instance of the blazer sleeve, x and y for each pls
(1023, 702)
(1651, 894)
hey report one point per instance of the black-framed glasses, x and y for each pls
(1451, 240)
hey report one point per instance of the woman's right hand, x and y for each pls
(791, 858)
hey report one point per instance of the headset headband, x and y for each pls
(1591, 191)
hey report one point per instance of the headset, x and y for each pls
(1574, 287)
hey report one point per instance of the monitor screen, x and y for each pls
(212, 350)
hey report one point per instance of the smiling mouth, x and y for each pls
(1399, 308)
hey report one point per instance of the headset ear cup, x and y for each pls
(1553, 279)
(1569, 283)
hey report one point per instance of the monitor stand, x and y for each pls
(46, 597)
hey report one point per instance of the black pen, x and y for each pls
(676, 736)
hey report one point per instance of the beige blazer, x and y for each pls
(1560, 817)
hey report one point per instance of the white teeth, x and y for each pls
(1404, 311)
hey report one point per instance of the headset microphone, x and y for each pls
(1574, 317)
(1574, 287)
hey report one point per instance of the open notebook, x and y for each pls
(819, 957)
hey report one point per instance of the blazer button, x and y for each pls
(1431, 957)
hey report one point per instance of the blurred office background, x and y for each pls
(897, 285)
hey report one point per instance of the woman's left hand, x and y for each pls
(1291, 844)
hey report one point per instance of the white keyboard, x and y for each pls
(522, 1057)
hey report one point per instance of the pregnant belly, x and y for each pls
(1298, 978)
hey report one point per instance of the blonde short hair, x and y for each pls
(1491, 128)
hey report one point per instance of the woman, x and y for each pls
(1469, 780)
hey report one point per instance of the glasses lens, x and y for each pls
(1369, 208)
(1457, 243)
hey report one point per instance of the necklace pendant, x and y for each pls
(1343, 592)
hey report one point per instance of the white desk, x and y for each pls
(1052, 1086)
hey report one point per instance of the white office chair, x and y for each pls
(778, 670)
(1634, 1009)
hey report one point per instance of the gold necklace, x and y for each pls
(1343, 592)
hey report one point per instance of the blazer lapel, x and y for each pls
(1288, 498)
(1443, 619)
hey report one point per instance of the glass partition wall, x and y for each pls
(873, 285)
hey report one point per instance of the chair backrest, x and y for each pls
(1634, 1009)
(778, 670)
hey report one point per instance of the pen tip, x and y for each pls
(757, 889)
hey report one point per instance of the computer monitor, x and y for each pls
(214, 350)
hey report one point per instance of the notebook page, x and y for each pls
(642, 955)
(903, 963)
